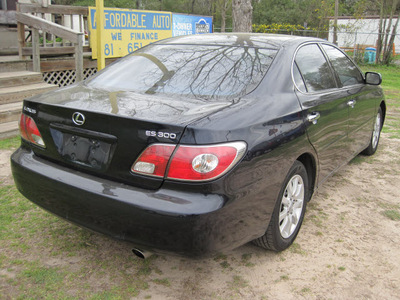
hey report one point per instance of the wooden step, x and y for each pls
(10, 112)
(9, 129)
(9, 79)
(19, 93)
(12, 64)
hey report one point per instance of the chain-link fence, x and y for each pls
(357, 42)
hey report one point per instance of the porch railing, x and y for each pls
(49, 38)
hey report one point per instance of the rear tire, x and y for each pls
(376, 133)
(289, 210)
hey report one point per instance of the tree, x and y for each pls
(242, 15)
(223, 6)
(279, 12)
(386, 38)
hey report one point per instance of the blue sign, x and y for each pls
(186, 24)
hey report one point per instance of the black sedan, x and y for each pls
(200, 143)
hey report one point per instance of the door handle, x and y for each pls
(351, 103)
(313, 117)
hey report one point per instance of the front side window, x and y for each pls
(347, 71)
(199, 71)
(315, 69)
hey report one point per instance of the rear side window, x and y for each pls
(315, 69)
(347, 71)
(200, 71)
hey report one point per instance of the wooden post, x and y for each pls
(21, 36)
(63, 24)
(35, 50)
(101, 61)
(79, 59)
(21, 39)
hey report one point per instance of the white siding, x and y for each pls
(360, 31)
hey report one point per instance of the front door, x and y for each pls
(360, 101)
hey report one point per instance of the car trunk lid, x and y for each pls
(103, 133)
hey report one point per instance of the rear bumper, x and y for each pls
(186, 223)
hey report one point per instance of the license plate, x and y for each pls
(90, 152)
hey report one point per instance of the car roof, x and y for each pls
(258, 40)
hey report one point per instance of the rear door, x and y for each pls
(325, 107)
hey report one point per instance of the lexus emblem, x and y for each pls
(78, 118)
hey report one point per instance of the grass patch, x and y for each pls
(343, 215)
(318, 222)
(390, 75)
(390, 85)
(30, 232)
(296, 248)
(284, 277)
(146, 266)
(358, 160)
(13, 212)
(220, 256)
(392, 214)
(10, 144)
(36, 274)
(225, 264)
(305, 291)
(164, 281)
(246, 260)
(36, 281)
(317, 215)
(391, 211)
(238, 282)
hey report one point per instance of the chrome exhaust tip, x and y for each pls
(141, 253)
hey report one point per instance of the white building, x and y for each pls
(352, 32)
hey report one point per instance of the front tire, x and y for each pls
(289, 210)
(376, 133)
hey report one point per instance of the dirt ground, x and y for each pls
(348, 247)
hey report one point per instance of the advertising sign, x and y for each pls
(126, 30)
(186, 24)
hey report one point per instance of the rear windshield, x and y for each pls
(206, 72)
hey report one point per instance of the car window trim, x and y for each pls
(348, 57)
(330, 67)
(301, 75)
(335, 74)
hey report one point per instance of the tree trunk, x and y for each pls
(380, 35)
(242, 15)
(388, 52)
(224, 7)
(335, 26)
(192, 10)
(385, 38)
(223, 21)
(387, 32)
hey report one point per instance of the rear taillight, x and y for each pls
(29, 131)
(189, 163)
(204, 162)
(154, 160)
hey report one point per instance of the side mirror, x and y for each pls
(373, 78)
